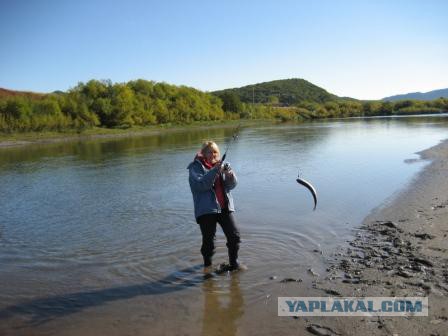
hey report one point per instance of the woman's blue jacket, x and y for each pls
(201, 183)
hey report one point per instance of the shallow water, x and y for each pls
(92, 232)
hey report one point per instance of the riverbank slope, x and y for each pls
(400, 250)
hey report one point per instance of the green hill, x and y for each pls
(282, 92)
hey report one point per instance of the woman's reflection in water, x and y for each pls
(222, 306)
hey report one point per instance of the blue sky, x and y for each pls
(362, 49)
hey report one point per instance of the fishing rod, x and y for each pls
(234, 137)
(310, 187)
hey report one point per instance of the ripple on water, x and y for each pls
(108, 215)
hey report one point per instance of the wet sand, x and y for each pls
(401, 249)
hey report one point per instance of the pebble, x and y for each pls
(389, 224)
(436, 321)
(405, 274)
(319, 330)
(311, 271)
(423, 261)
(423, 236)
(418, 268)
(351, 281)
(332, 292)
(398, 242)
(290, 280)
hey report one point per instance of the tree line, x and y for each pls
(104, 104)
(337, 108)
(142, 103)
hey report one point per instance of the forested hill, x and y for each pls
(285, 92)
(431, 95)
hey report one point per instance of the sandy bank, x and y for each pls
(400, 250)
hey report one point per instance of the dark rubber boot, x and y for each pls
(233, 257)
(207, 261)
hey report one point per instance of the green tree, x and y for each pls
(47, 106)
(141, 86)
(231, 102)
(160, 111)
(273, 100)
(18, 108)
(122, 106)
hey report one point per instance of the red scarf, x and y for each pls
(219, 185)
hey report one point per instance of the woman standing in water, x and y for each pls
(210, 183)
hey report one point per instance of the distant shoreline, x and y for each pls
(47, 137)
(33, 138)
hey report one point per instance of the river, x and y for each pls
(99, 235)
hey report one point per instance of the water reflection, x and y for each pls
(101, 149)
(222, 307)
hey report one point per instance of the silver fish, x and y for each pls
(310, 188)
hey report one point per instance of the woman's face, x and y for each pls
(211, 154)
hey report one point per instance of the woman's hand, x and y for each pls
(227, 170)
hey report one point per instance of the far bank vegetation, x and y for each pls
(143, 103)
